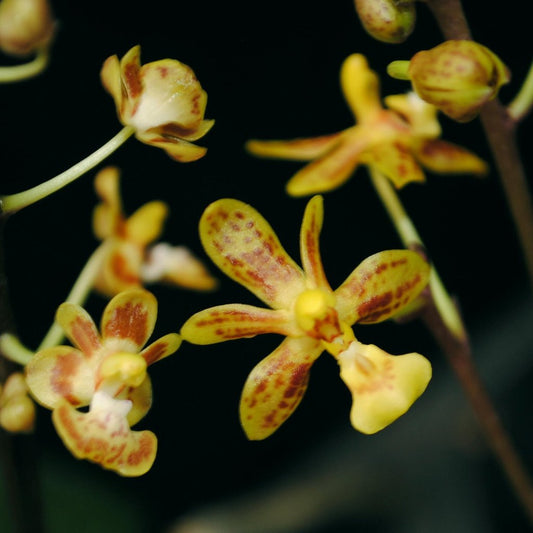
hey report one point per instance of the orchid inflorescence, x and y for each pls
(98, 387)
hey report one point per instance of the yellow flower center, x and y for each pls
(316, 314)
(127, 368)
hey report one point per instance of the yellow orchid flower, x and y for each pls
(395, 143)
(107, 372)
(162, 100)
(131, 260)
(311, 316)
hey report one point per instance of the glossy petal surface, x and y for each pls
(276, 386)
(129, 319)
(161, 348)
(235, 321)
(60, 373)
(103, 436)
(380, 285)
(244, 246)
(79, 328)
(383, 386)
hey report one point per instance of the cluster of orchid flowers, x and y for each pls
(163, 104)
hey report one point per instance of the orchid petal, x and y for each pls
(395, 161)
(176, 265)
(276, 386)
(107, 215)
(129, 318)
(332, 169)
(383, 386)
(177, 149)
(79, 328)
(60, 373)
(146, 224)
(130, 68)
(110, 77)
(447, 158)
(297, 149)
(244, 246)
(174, 131)
(381, 285)
(161, 348)
(309, 242)
(235, 321)
(103, 436)
(120, 268)
(361, 87)
(171, 93)
(141, 401)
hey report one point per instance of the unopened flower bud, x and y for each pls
(25, 26)
(458, 77)
(390, 21)
(17, 410)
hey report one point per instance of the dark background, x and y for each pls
(271, 70)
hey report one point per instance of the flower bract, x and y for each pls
(106, 371)
(163, 100)
(397, 141)
(133, 259)
(311, 316)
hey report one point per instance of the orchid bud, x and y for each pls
(390, 21)
(458, 77)
(25, 26)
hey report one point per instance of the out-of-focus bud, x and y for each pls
(25, 26)
(17, 410)
(458, 77)
(390, 21)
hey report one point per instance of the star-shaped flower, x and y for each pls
(107, 372)
(163, 100)
(395, 141)
(131, 260)
(311, 316)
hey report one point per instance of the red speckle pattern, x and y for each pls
(128, 321)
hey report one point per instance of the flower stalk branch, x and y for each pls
(14, 202)
(27, 70)
(443, 320)
(499, 128)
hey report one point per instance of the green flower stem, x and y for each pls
(523, 101)
(13, 202)
(14, 350)
(26, 70)
(79, 293)
(410, 238)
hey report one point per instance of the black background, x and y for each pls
(271, 70)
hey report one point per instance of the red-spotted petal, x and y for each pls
(381, 285)
(396, 162)
(276, 386)
(141, 400)
(103, 436)
(130, 68)
(332, 169)
(236, 321)
(120, 268)
(309, 242)
(244, 246)
(130, 318)
(161, 348)
(447, 158)
(296, 149)
(176, 148)
(60, 373)
(79, 328)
